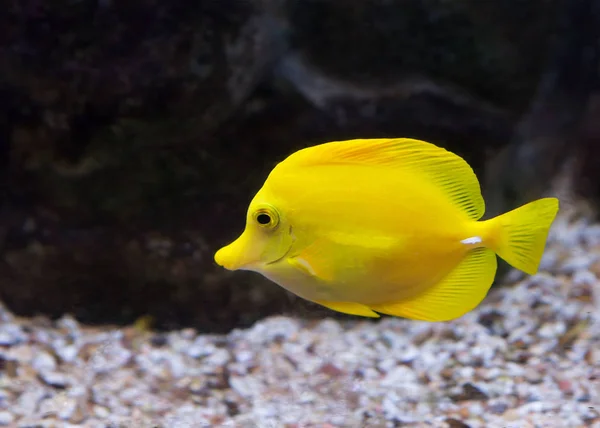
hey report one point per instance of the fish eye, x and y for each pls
(266, 217)
(263, 218)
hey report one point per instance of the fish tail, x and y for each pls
(519, 236)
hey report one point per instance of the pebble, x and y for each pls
(6, 418)
(11, 334)
(577, 263)
(54, 379)
(503, 364)
(552, 330)
(43, 362)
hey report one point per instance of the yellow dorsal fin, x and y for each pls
(460, 292)
(445, 169)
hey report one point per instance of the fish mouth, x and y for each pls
(251, 265)
(220, 258)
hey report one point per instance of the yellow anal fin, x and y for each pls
(349, 308)
(460, 292)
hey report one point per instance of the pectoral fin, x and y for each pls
(460, 292)
(315, 261)
(349, 308)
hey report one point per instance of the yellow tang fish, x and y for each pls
(384, 226)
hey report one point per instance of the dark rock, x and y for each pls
(195, 61)
(492, 48)
(553, 131)
(549, 133)
(109, 133)
(128, 156)
(415, 106)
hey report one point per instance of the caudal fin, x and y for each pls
(522, 233)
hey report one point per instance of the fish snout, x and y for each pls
(229, 257)
(237, 255)
(223, 257)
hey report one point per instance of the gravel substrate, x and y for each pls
(529, 356)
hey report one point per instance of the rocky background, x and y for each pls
(133, 134)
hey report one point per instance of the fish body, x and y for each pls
(383, 226)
